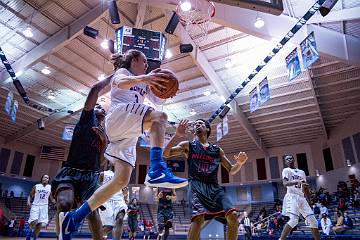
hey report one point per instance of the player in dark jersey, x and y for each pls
(208, 200)
(165, 197)
(78, 179)
(133, 213)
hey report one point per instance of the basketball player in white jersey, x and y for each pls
(113, 216)
(295, 203)
(39, 207)
(125, 121)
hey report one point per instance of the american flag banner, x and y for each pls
(52, 153)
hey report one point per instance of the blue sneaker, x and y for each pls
(67, 224)
(163, 177)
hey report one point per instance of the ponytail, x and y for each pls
(124, 60)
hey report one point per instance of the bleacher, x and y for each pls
(181, 221)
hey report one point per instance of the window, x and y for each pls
(16, 164)
(29, 165)
(4, 159)
(302, 163)
(274, 167)
(261, 168)
(348, 150)
(328, 159)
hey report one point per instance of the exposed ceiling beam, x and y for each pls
(206, 68)
(55, 42)
(337, 16)
(140, 17)
(329, 43)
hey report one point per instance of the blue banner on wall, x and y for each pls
(68, 132)
(309, 50)
(264, 91)
(293, 64)
(14, 110)
(254, 101)
(176, 165)
(9, 103)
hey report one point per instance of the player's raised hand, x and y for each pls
(241, 158)
(168, 197)
(181, 129)
(160, 195)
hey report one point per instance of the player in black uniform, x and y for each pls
(165, 197)
(133, 214)
(78, 179)
(208, 200)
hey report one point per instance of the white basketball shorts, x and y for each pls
(39, 213)
(296, 205)
(113, 207)
(124, 124)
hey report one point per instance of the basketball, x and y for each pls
(172, 86)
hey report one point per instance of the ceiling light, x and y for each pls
(51, 95)
(101, 77)
(19, 73)
(168, 54)
(348, 163)
(259, 23)
(192, 112)
(28, 32)
(105, 44)
(317, 173)
(207, 92)
(229, 63)
(46, 70)
(185, 6)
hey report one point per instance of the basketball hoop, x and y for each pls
(196, 15)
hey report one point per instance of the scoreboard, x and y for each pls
(151, 43)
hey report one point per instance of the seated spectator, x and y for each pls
(316, 208)
(348, 222)
(326, 224)
(324, 210)
(342, 205)
(339, 223)
(21, 227)
(12, 194)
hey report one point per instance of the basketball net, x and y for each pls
(196, 17)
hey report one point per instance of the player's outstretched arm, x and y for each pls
(240, 159)
(94, 93)
(183, 147)
(31, 196)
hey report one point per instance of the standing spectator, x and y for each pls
(21, 194)
(12, 195)
(326, 224)
(21, 227)
(5, 195)
(246, 222)
(339, 223)
(316, 208)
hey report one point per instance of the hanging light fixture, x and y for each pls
(105, 44)
(51, 95)
(28, 32)
(168, 54)
(207, 92)
(192, 112)
(185, 6)
(101, 77)
(259, 22)
(229, 63)
(46, 70)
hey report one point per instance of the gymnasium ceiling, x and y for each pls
(298, 111)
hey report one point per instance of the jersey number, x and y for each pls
(136, 98)
(203, 167)
(42, 195)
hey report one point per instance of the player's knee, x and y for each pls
(312, 221)
(294, 220)
(231, 219)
